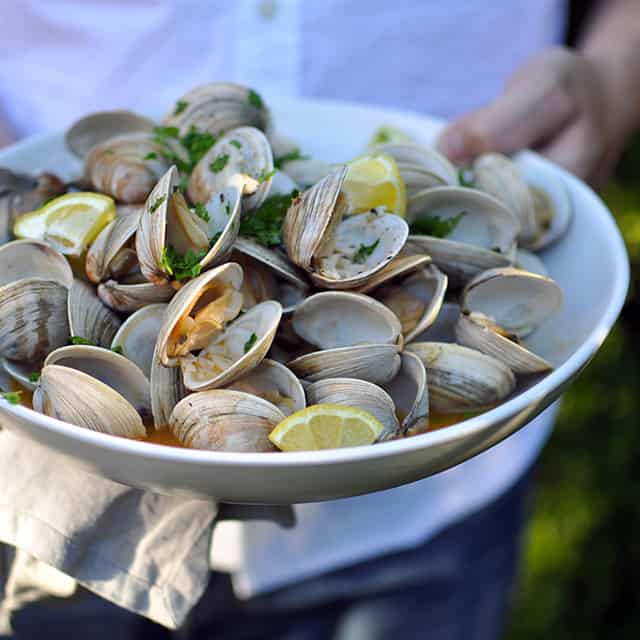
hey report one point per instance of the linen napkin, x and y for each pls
(146, 552)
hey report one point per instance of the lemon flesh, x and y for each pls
(70, 222)
(326, 426)
(374, 181)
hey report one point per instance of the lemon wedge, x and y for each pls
(374, 181)
(70, 222)
(388, 133)
(326, 426)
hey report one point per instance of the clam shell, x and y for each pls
(528, 261)
(96, 128)
(89, 318)
(401, 266)
(274, 382)
(462, 379)
(377, 363)
(27, 259)
(225, 420)
(138, 333)
(341, 319)
(167, 389)
(74, 397)
(21, 373)
(360, 394)
(127, 298)
(306, 172)
(443, 328)
(218, 107)
(109, 244)
(248, 156)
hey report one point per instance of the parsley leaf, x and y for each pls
(182, 267)
(152, 155)
(12, 397)
(364, 251)
(201, 211)
(236, 144)
(250, 342)
(264, 225)
(465, 177)
(214, 239)
(34, 377)
(254, 99)
(265, 175)
(219, 163)
(197, 143)
(81, 340)
(435, 226)
(158, 201)
(181, 105)
(162, 133)
(381, 137)
(296, 154)
(118, 349)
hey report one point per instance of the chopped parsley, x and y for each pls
(158, 201)
(219, 163)
(108, 152)
(215, 239)
(266, 175)
(152, 155)
(197, 143)
(81, 340)
(435, 226)
(264, 225)
(364, 251)
(465, 177)
(182, 267)
(118, 349)
(250, 342)
(227, 208)
(381, 137)
(236, 144)
(254, 99)
(161, 133)
(201, 211)
(12, 397)
(296, 154)
(34, 377)
(181, 105)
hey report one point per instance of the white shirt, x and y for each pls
(60, 59)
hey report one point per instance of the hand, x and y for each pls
(556, 104)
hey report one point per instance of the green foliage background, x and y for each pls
(582, 549)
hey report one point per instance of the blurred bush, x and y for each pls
(582, 550)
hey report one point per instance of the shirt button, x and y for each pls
(267, 9)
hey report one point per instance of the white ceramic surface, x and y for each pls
(590, 264)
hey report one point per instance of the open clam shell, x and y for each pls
(332, 319)
(167, 390)
(274, 382)
(218, 107)
(22, 372)
(409, 392)
(225, 420)
(127, 167)
(462, 379)
(96, 128)
(138, 333)
(243, 157)
(305, 172)
(89, 318)
(108, 257)
(127, 298)
(529, 261)
(360, 394)
(443, 327)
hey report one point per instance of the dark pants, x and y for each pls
(458, 585)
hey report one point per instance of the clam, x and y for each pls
(242, 157)
(170, 227)
(358, 337)
(409, 392)
(461, 379)
(136, 338)
(127, 167)
(26, 374)
(110, 255)
(97, 128)
(225, 420)
(167, 389)
(483, 236)
(443, 327)
(274, 382)
(502, 306)
(529, 261)
(305, 172)
(127, 297)
(88, 317)
(269, 275)
(94, 388)
(218, 107)
(360, 394)
(204, 334)
(34, 284)
(340, 254)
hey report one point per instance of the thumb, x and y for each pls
(532, 109)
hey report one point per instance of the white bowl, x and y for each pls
(590, 264)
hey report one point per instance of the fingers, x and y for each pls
(529, 112)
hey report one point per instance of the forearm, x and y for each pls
(612, 41)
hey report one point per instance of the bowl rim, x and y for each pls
(534, 395)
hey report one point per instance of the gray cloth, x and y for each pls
(143, 551)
